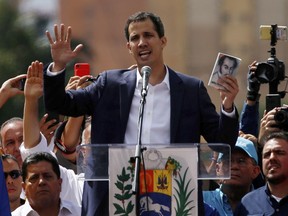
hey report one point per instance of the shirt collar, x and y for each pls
(65, 206)
(165, 80)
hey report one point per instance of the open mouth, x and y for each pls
(272, 167)
(144, 54)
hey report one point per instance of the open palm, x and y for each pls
(34, 82)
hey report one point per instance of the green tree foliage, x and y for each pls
(18, 48)
(21, 42)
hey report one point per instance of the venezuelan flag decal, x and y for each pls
(155, 192)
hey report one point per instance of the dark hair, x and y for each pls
(37, 157)
(142, 16)
(275, 135)
(223, 57)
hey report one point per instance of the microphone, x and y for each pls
(145, 73)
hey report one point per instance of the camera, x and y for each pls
(281, 118)
(272, 70)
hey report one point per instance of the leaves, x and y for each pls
(125, 194)
(183, 194)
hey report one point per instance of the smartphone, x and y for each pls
(265, 32)
(272, 101)
(22, 84)
(81, 69)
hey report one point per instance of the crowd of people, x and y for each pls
(39, 156)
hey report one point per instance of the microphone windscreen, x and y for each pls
(146, 69)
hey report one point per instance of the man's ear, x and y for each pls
(60, 183)
(164, 41)
(128, 47)
(255, 172)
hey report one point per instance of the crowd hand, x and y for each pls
(47, 128)
(253, 85)
(250, 137)
(34, 82)
(76, 82)
(230, 92)
(61, 51)
(11, 87)
(267, 125)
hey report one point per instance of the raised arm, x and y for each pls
(33, 91)
(267, 125)
(72, 132)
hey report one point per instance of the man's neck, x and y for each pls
(279, 190)
(15, 204)
(157, 75)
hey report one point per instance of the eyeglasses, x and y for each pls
(14, 174)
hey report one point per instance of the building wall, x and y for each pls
(196, 31)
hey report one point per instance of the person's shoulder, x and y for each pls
(24, 210)
(253, 203)
(67, 205)
(118, 73)
(186, 78)
(259, 192)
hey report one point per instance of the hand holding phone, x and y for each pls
(22, 84)
(81, 69)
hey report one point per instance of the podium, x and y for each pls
(168, 176)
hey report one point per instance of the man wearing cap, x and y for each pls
(244, 168)
(271, 199)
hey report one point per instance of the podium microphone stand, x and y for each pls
(138, 152)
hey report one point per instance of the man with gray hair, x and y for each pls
(244, 168)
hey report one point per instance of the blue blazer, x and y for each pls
(109, 98)
(108, 101)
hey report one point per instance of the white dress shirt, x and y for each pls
(156, 116)
(66, 209)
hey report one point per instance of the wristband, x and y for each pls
(58, 142)
(253, 96)
(62, 147)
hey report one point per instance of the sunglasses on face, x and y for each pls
(14, 174)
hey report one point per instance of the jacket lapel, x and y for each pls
(176, 98)
(127, 88)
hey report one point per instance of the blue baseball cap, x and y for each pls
(247, 146)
